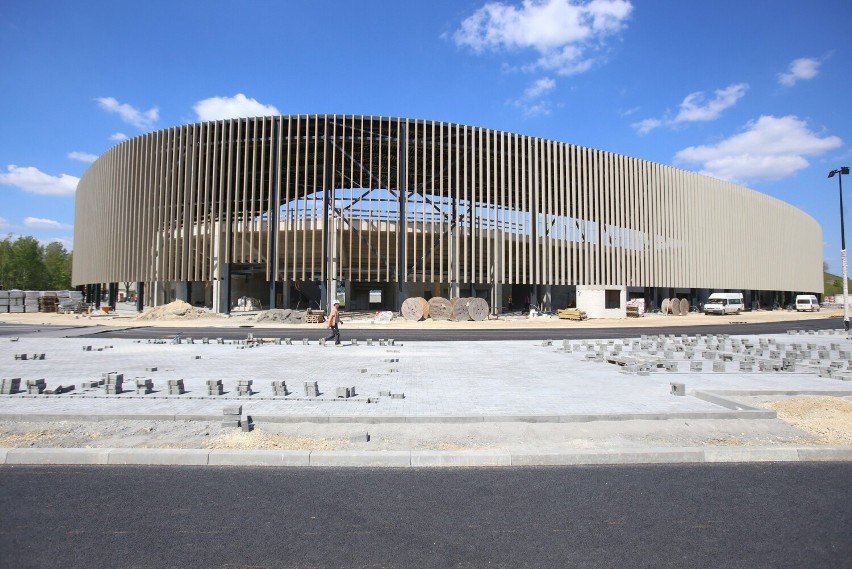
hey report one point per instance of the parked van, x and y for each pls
(724, 303)
(807, 302)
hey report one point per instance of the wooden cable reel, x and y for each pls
(684, 307)
(478, 309)
(665, 306)
(440, 308)
(415, 309)
(460, 309)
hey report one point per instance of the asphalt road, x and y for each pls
(751, 515)
(448, 334)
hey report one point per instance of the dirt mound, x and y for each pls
(177, 310)
(829, 419)
(283, 315)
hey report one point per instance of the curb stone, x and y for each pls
(417, 458)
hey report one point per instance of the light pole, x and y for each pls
(840, 171)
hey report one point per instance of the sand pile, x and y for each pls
(829, 419)
(177, 310)
(282, 315)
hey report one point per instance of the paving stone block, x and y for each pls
(311, 389)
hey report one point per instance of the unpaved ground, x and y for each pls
(802, 421)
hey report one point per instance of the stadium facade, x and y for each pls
(297, 210)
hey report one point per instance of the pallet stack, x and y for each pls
(176, 387)
(113, 383)
(244, 387)
(35, 386)
(48, 301)
(31, 301)
(214, 387)
(4, 301)
(279, 388)
(10, 385)
(571, 314)
(16, 301)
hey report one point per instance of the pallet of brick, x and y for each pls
(35, 386)
(16, 301)
(113, 383)
(10, 385)
(144, 386)
(4, 301)
(176, 387)
(279, 388)
(244, 387)
(31, 301)
(311, 389)
(214, 387)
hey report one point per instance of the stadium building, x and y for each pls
(298, 210)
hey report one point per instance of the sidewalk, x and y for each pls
(429, 403)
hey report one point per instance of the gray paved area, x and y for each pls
(422, 382)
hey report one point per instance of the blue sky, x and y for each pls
(753, 91)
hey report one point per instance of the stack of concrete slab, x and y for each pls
(346, 392)
(31, 301)
(144, 386)
(113, 383)
(4, 301)
(311, 389)
(244, 387)
(176, 387)
(279, 388)
(231, 415)
(10, 385)
(214, 387)
(35, 386)
(16, 301)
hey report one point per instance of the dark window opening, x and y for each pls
(613, 299)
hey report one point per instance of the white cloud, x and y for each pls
(83, 156)
(4, 223)
(41, 223)
(119, 136)
(695, 107)
(66, 242)
(563, 32)
(770, 148)
(800, 69)
(31, 179)
(531, 101)
(540, 88)
(647, 125)
(143, 120)
(238, 106)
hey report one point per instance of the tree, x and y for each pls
(6, 263)
(27, 264)
(57, 263)
(825, 266)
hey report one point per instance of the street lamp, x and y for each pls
(840, 171)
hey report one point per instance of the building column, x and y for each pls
(221, 273)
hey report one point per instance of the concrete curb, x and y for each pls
(417, 458)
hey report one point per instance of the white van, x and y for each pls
(724, 303)
(807, 302)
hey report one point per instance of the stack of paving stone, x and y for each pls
(231, 415)
(48, 301)
(31, 301)
(113, 383)
(176, 387)
(4, 301)
(35, 386)
(346, 392)
(244, 387)
(279, 388)
(311, 389)
(10, 385)
(16, 301)
(144, 386)
(214, 387)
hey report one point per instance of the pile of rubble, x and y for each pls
(177, 310)
(282, 315)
